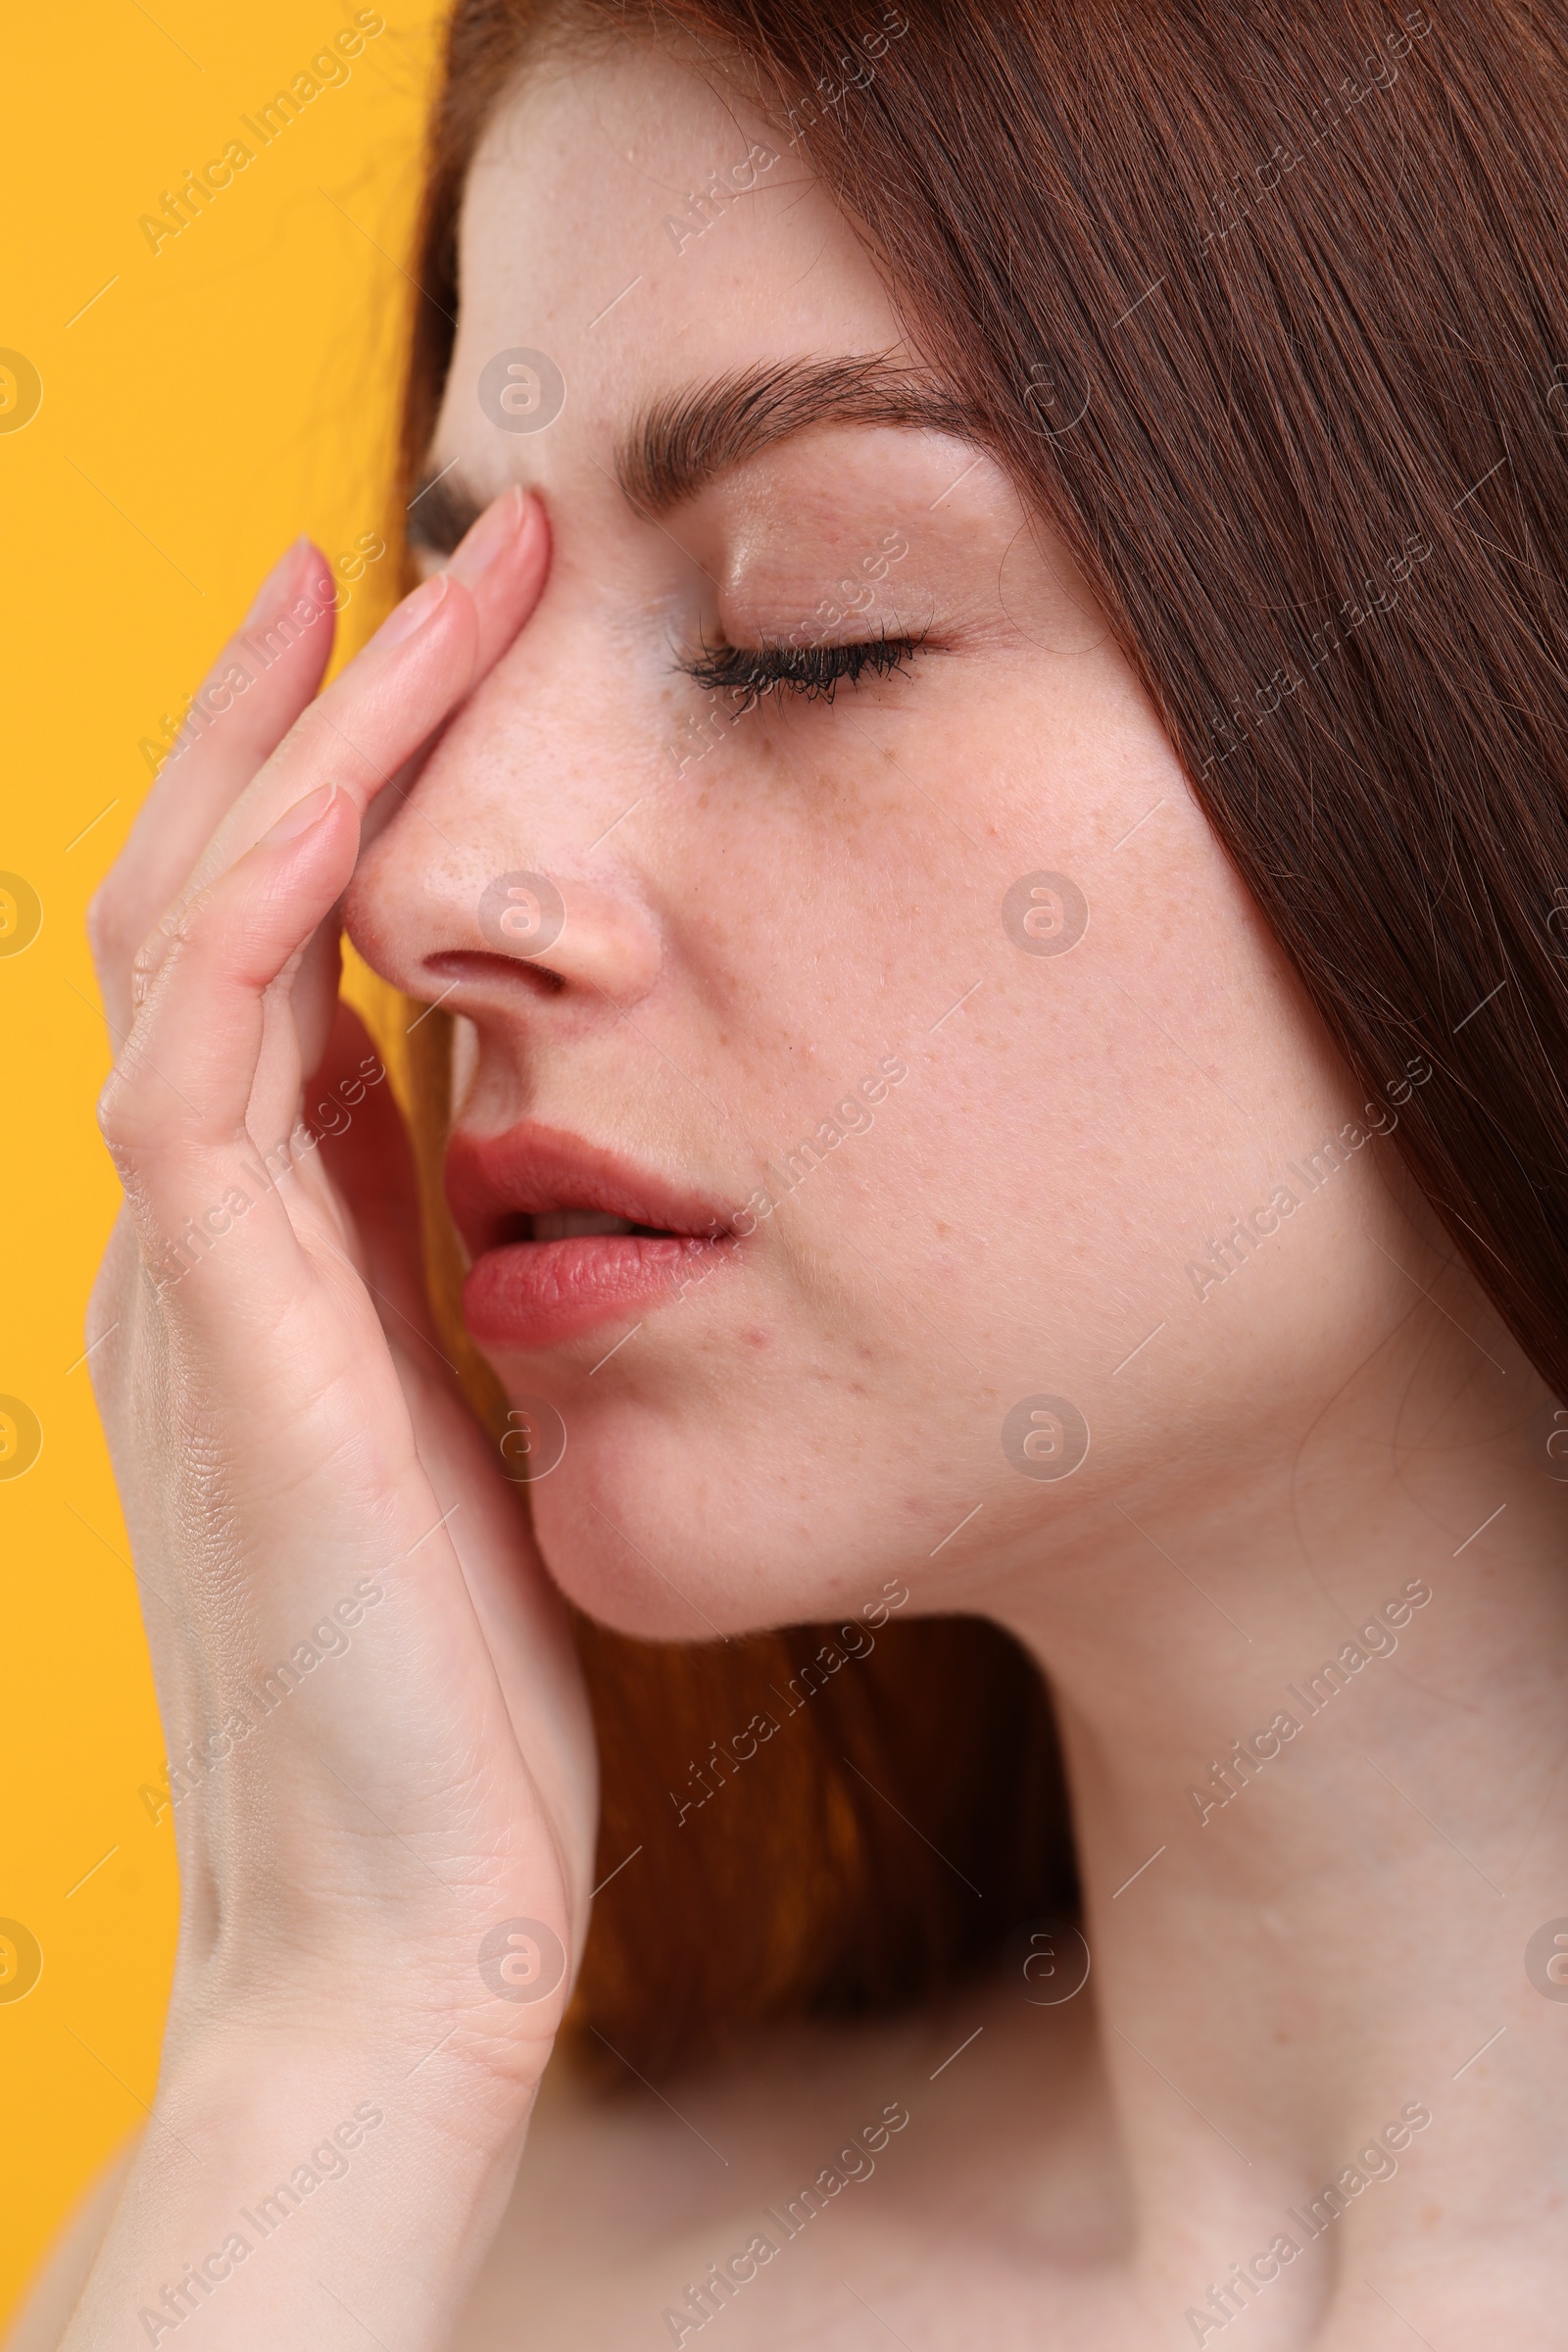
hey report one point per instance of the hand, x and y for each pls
(304, 1487)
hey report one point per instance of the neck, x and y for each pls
(1313, 1718)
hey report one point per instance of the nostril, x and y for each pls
(465, 963)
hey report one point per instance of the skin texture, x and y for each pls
(1335, 1429)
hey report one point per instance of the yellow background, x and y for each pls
(219, 396)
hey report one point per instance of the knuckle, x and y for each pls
(126, 1119)
(146, 965)
(112, 1112)
(123, 948)
(149, 955)
(155, 951)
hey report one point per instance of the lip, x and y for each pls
(522, 1294)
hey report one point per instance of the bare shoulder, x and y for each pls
(954, 2160)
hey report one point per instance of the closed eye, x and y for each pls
(815, 671)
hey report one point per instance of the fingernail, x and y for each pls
(490, 537)
(266, 593)
(413, 614)
(303, 816)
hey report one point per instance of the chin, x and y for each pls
(628, 1563)
(672, 1534)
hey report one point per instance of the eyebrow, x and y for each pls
(687, 438)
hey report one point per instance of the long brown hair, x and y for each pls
(1265, 309)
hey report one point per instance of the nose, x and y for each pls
(583, 931)
(490, 884)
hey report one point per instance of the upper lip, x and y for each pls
(493, 1180)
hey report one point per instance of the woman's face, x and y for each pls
(935, 1006)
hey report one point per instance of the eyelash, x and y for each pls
(813, 671)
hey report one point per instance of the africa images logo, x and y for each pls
(521, 1960)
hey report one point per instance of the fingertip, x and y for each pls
(277, 580)
(492, 538)
(408, 619)
(532, 539)
(510, 587)
(533, 533)
(311, 851)
(318, 579)
(303, 815)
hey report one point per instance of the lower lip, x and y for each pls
(528, 1294)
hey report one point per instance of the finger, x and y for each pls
(366, 728)
(262, 680)
(313, 996)
(419, 659)
(365, 1153)
(422, 662)
(175, 1111)
(466, 563)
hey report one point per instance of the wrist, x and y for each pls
(456, 2072)
(293, 2186)
(434, 2028)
